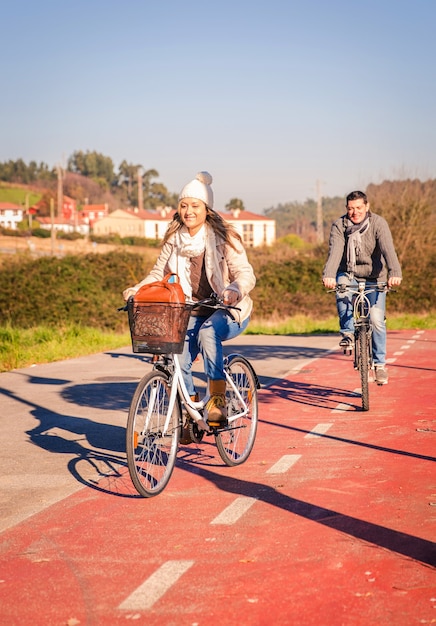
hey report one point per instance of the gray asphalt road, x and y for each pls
(58, 415)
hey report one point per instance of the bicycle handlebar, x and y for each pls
(213, 302)
(341, 288)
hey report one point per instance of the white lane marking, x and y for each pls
(234, 511)
(155, 586)
(318, 430)
(405, 347)
(410, 341)
(284, 464)
(342, 407)
(390, 360)
(398, 353)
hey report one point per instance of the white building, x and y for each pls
(254, 229)
(11, 215)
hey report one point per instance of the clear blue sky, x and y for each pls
(268, 96)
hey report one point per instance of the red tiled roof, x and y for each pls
(10, 205)
(244, 216)
(62, 220)
(151, 215)
(86, 208)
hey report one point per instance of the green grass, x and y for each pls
(302, 324)
(23, 348)
(44, 344)
(15, 195)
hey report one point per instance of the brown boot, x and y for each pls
(216, 406)
(185, 437)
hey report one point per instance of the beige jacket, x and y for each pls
(226, 268)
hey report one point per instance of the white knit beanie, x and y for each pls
(199, 188)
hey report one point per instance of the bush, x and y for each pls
(84, 289)
(70, 236)
(43, 233)
(87, 289)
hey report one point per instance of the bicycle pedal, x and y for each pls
(202, 425)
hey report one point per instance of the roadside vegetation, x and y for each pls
(55, 307)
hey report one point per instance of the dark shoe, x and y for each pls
(186, 436)
(347, 342)
(381, 375)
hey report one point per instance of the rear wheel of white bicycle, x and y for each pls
(236, 442)
(150, 446)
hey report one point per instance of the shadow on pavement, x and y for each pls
(395, 541)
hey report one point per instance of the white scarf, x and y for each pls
(185, 248)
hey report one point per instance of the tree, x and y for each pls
(94, 165)
(127, 179)
(235, 204)
(409, 206)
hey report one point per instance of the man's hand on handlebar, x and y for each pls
(394, 281)
(329, 283)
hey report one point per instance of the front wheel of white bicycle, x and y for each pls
(236, 442)
(151, 446)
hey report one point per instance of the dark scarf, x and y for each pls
(353, 235)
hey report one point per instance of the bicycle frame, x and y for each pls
(362, 317)
(178, 388)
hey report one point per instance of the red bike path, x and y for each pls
(330, 521)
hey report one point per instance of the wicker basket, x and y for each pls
(158, 327)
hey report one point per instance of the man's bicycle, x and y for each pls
(156, 415)
(363, 357)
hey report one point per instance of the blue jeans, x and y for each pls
(377, 301)
(205, 335)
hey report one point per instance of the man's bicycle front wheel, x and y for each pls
(151, 446)
(235, 443)
(363, 360)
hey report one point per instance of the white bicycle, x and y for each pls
(155, 421)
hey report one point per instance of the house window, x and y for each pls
(248, 235)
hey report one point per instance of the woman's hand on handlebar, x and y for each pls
(130, 291)
(230, 297)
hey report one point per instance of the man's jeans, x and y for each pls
(377, 300)
(205, 335)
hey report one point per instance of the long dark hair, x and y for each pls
(223, 229)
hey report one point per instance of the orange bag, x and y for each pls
(161, 291)
(158, 317)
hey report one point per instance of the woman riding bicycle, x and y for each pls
(361, 247)
(208, 255)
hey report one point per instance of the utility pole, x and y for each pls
(60, 190)
(140, 190)
(53, 232)
(319, 216)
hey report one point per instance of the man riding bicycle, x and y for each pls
(361, 247)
